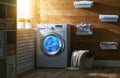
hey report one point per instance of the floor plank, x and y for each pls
(98, 72)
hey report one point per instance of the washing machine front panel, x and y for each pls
(57, 54)
(52, 44)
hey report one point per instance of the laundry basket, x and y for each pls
(82, 59)
(88, 60)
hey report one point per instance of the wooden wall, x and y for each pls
(63, 11)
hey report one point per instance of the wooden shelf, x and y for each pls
(8, 29)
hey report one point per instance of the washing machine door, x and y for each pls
(52, 44)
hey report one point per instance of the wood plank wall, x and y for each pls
(25, 50)
(63, 11)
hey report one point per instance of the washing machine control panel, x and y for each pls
(50, 26)
(54, 27)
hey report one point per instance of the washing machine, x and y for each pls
(53, 45)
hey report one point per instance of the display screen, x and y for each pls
(58, 26)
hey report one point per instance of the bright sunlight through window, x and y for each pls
(24, 14)
(24, 8)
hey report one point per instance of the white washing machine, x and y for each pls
(53, 45)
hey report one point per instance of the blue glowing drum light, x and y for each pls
(52, 44)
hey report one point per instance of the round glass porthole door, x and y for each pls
(52, 44)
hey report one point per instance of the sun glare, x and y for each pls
(24, 8)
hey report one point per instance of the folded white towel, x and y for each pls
(84, 2)
(108, 16)
(76, 59)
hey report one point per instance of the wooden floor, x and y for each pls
(101, 72)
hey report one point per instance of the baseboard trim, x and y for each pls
(106, 63)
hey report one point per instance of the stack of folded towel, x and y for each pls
(83, 4)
